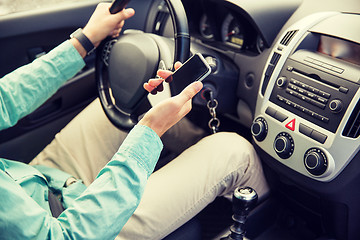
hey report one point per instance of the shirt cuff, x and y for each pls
(70, 62)
(143, 144)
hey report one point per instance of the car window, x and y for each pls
(13, 6)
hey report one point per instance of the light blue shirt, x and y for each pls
(97, 212)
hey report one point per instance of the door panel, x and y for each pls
(27, 35)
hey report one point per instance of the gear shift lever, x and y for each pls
(244, 200)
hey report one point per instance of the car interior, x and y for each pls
(285, 75)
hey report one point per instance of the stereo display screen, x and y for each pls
(339, 48)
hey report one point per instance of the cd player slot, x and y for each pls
(316, 77)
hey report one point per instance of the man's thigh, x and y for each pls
(213, 167)
(84, 146)
(90, 140)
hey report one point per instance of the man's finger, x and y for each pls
(148, 88)
(154, 82)
(177, 65)
(163, 73)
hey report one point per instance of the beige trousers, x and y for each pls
(213, 166)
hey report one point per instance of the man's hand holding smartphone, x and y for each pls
(169, 111)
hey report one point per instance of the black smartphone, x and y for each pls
(196, 68)
(118, 5)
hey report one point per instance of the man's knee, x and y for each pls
(228, 142)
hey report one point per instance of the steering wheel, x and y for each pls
(124, 64)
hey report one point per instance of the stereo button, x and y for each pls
(303, 85)
(280, 116)
(290, 91)
(315, 90)
(343, 90)
(338, 70)
(311, 95)
(306, 99)
(280, 98)
(322, 118)
(317, 136)
(305, 129)
(315, 103)
(270, 111)
(293, 81)
(322, 100)
(324, 94)
(276, 114)
(300, 90)
(293, 87)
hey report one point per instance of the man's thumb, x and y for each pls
(190, 91)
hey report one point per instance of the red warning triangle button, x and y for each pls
(291, 125)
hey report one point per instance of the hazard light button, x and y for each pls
(291, 125)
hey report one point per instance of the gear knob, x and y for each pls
(244, 200)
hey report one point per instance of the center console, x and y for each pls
(307, 114)
(307, 123)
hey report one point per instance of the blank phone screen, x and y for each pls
(191, 70)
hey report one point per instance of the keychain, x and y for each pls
(212, 104)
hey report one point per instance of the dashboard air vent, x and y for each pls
(288, 36)
(274, 60)
(352, 128)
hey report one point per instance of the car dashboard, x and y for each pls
(307, 85)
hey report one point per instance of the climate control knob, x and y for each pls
(284, 145)
(315, 161)
(259, 129)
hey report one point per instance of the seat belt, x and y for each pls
(56, 207)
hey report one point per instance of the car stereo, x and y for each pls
(307, 115)
(308, 86)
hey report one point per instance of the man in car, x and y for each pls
(88, 149)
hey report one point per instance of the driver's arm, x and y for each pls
(99, 212)
(25, 89)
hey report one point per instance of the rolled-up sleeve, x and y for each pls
(25, 89)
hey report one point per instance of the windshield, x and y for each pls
(13, 6)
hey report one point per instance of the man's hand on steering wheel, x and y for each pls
(103, 24)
